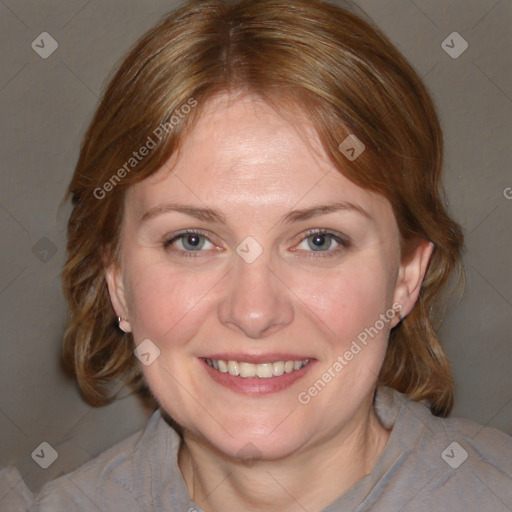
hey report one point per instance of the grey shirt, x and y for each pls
(428, 464)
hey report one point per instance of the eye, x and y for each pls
(322, 241)
(189, 241)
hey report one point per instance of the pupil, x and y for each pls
(320, 242)
(194, 240)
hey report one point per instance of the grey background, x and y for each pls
(46, 105)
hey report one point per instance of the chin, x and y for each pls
(244, 437)
(251, 448)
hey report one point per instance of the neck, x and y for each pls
(307, 480)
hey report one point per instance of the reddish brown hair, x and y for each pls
(306, 56)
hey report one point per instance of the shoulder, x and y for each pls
(115, 479)
(397, 410)
(484, 443)
(447, 460)
(14, 494)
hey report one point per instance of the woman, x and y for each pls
(257, 211)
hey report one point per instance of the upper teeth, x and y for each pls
(263, 370)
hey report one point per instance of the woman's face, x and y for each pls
(255, 255)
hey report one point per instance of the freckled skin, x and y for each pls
(247, 162)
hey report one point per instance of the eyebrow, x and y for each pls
(315, 211)
(214, 216)
(206, 214)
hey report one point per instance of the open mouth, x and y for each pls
(250, 370)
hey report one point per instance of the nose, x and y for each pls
(255, 301)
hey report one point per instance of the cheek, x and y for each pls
(348, 302)
(163, 303)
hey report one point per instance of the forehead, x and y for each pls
(243, 155)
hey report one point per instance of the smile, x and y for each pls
(249, 370)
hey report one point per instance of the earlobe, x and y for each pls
(115, 285)
(410, 278)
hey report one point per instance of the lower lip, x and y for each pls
(256, 386)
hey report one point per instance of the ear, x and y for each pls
(114, 278)
(410, 278)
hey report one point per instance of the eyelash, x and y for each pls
(180, 236)
(343, 241)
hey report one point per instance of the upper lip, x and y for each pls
(257, 358)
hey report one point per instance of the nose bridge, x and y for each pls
(255, 300)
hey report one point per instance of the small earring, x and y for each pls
(401, 321)
(120, 321)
